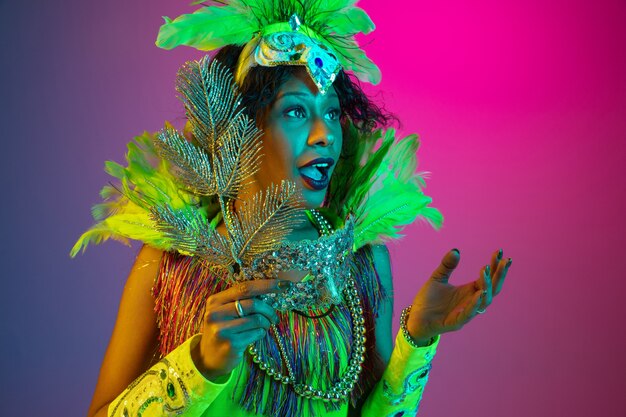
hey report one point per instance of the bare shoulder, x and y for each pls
(137, 293)
(133, 345)
(149, 253)
(147, 262)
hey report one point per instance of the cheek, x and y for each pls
(277, 152)
(338, 145)
(289, 142)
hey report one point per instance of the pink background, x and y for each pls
(521, 107)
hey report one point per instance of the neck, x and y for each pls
(305, 229)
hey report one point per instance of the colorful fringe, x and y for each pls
(180, 293)
(181, 290)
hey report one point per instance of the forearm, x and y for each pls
(402, 384)
(171, 387)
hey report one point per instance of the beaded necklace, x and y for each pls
(340, 390)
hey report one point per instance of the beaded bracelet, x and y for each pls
(403, 319)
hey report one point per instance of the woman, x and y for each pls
(299, 324)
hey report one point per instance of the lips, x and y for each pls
(315, 173)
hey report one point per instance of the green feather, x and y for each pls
(146, 181)
(94, 236)
(132, 224)
(354, 58)
(236, 22)
(354, 20)
(388, 211)
(114, 169)
(207, 29)
(376, 181)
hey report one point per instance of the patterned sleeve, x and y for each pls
(399, 391)
(173, 386)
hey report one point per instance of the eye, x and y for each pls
(296, 112)
(333, 114)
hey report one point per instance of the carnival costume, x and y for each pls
(177, 187)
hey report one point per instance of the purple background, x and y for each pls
(521, 107)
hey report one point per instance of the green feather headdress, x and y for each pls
(318, 34)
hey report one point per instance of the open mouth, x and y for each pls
(315, 173)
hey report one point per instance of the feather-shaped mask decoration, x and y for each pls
(220, 162)
(164, 207)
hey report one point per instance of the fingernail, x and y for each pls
(499, 254)
(284, 284)
(509, 262)
(487, 270)
(456, 250)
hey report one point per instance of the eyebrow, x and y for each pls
(305, 95)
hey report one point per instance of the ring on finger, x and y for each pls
(239, 309)
(481, 310)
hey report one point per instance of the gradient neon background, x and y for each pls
(521, 107)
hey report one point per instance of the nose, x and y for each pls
(320, 134)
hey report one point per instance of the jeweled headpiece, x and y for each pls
(316, 34)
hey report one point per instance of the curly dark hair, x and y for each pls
(261, 86)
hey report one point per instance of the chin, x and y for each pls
(313, 198)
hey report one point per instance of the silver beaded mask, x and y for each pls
(327, 261)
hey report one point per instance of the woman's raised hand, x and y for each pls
(440, 307)
(233, 319)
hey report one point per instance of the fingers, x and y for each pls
(237, 342)
(499, 275)
(239, 333)
(469, 310)
(492, 277)
(448, 264)
(486, 286)
(495, 260)
(499, 267)
(247, 338)
(234, 327)
(225, 333)
(248, 289)
(249, 306)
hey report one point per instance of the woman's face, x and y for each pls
(302, 138)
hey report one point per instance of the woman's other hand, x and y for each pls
(441, 307)
(233, 319)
